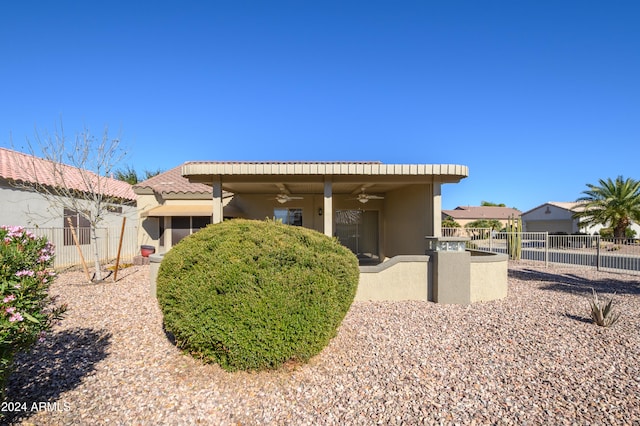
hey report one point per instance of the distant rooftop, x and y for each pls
(482, 212)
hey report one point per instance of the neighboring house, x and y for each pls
(468, 214)
(557, 217)
(24, 206)
(377, 210)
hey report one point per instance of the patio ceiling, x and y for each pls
(308, 178)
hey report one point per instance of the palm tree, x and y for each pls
(129, 174)
(612, 203)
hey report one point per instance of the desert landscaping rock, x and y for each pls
(532, 358)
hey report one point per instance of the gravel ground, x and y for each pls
(532, 358)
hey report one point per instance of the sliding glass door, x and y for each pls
(358, 230)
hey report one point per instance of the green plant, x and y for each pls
(602, 313)
(450, 223)
(615, 203)
(26, 313)
(514, 237)
(252, 295)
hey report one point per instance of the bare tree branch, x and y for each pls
(76, 175)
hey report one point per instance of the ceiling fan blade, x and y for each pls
(284, 198)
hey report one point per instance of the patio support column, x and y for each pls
(436, 208)
(328, 206)
(217, 200)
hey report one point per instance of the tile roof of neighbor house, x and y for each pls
(24, 168)
(172, 182)
(482, 212)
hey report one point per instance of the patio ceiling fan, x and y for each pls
(364, 198)
(285, 198)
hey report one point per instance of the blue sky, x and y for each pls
(538, 98)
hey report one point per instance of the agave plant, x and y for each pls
(601, 312)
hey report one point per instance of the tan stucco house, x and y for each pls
(389, 215)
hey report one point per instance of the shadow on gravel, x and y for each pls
(579, 318)
(571, 283)
(55, 366)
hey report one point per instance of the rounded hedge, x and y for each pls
(252, 295)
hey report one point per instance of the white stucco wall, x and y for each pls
(30, 209)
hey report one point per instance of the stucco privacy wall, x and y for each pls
(411, 278)
(488, 276)
(401, 278)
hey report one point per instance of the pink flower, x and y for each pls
(9, 298)
(16, 317)
(24, 272)
(10, 309)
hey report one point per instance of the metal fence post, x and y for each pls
(597, 252)
(546, 249)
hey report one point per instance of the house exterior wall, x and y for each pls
(549, 218)
(407, 220)
(404, 216)
(261, 206)
(551, 226)
(31, 209)
(24, 208)
(44, 217)
(149, 230)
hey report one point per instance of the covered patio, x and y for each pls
(377, 210)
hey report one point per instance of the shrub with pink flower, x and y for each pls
(26, 310)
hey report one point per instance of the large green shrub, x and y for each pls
(252, 295)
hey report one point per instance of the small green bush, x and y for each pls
(252, 295)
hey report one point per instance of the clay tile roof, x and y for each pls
(23, 168)
(482, 212)
(172, 181)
